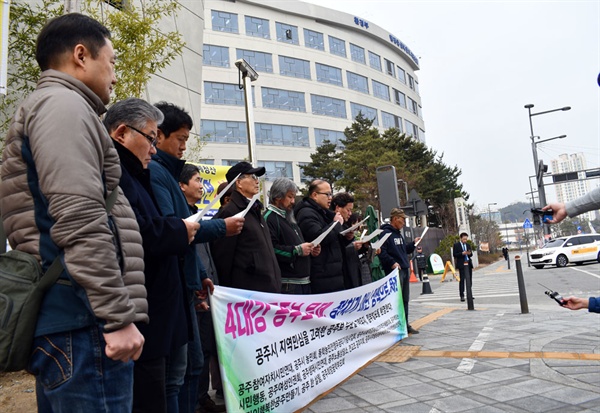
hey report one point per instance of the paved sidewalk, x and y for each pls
(493, 359)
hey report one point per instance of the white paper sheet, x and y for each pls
(353, 227)
(371, 235)
(422, 235)
(378, 244)
(198, 215)
(321, 237)
(243, 213)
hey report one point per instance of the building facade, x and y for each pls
(569, 191)
(318, 68)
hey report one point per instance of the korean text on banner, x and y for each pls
(4, 34)
(279, 352)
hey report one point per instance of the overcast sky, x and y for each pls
(481, 62)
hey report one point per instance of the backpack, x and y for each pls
(22, 288)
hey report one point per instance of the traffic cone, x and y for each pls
(413, 277)
(426, 285)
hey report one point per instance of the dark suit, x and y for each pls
(465, 265)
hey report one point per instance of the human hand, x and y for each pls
(125, 344)
(316, 251)
(338, 217)
(575, 303)
(307, 248)
(417, 240)
(233, 226)
(559, 212)
(396, 265)
(358, 245)
(192, 228)
(208, 286)
(349, 235)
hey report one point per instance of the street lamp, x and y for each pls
(536, 166)
(248, 74)
(490, 227)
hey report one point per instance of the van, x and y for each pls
(561, 251)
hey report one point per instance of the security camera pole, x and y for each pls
(248, 75)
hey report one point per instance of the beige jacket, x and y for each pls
(71, 149)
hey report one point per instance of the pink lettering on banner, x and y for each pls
(247, 317)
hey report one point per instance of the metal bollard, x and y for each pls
(522, 292)
(508, 262)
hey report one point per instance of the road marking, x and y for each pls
(587, 272)
(467, 363)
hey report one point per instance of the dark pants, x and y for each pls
(300, 289)
(404, 274)
(149, 386)
(421, 272)
(209, 349)
(465, 272)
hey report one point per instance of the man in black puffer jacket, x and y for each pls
(314, 217)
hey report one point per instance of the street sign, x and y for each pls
(527, 223)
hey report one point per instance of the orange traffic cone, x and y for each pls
(413, 277)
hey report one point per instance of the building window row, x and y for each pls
(258, 27)
(300, 68)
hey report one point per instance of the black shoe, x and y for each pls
(411, 330)
(209, 406)
(219, 394)
(462, 298)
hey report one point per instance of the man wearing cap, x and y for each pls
(247, 260)
(394, 254)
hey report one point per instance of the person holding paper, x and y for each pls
(165, 168)
(247, 260)
(314, 218)
(131, 123)
(394, 254)
(292, 252)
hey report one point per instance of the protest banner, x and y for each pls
(212, 176)
(279, 352)
(4, 34)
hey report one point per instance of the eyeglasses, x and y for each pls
(150, 138)
(253, 176)
(327, 194)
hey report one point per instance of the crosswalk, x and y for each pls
(497, 282)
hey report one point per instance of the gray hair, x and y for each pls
(280, 188)
(132, 111)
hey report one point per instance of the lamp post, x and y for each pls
(539, 173)
(248, 74)
(490, 227)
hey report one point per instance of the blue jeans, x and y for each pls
(176, 367)
(73, 374)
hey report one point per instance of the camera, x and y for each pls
(246, 69)
(540, 216)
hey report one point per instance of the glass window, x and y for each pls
(223, 94)
(286, 33)
(412, 106)
(368, 112)
(401, 74)
(391, 121)
(222, 131)
(215, 56)
(357, 82)
(357, 53)
(289, 66)
(303, 177)
(328, 106)
(381, 90)
(314, 40)
(230, 162)
(206, 161)
(329, 74)
(277, 169)
(281, 135)
(224, 22)
(411, 129)
(390, 68)
(261, 62)
(332, 136)
(417, 87)
(411, 82)
(399, 98)
(283, 99)
(337, 46)
(374, 61)
(257, 27)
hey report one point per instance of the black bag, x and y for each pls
(22, 288)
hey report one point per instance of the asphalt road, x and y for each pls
(495, 284)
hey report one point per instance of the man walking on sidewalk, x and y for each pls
(462, 257)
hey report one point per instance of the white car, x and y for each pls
(563, 250)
